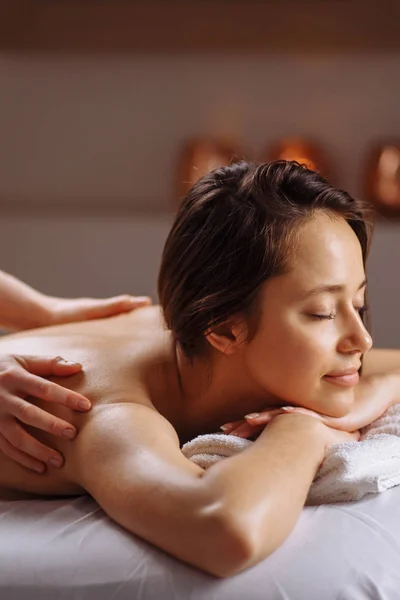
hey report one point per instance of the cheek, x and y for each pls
(289, 363)
(290, 360)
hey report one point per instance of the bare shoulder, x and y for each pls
(126, 457)
(110, 424)
(121, 433)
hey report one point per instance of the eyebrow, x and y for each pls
(329, 289)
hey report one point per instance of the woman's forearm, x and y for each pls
(21, 306)
(379, 361)
(264, 488)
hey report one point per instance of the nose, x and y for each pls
(356, 338)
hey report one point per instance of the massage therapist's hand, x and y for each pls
(23, 307)
(69, 310)
(21, 376)
(372, 397)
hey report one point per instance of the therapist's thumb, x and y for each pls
(45, 366)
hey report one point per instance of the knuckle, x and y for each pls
(43, 388)
(43, 453)
(24, 410)
(14, 453)
(54, 427)
(15, 438)
(9, 374)
(21, 360)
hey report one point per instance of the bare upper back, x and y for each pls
(120, 356)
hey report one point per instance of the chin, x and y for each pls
(340, 405)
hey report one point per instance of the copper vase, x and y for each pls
(199, 157)
(305, 152)
(383, 178)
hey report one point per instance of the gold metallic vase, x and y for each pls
(383, 178)
(305, 152)
(199, 157)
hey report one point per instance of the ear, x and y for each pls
(228, 337)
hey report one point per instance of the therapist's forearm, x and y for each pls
(21, 306)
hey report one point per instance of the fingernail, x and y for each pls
(55, 462)
(252, 416)
(68, 362)
(225, 427)
(287, 408)
(84, 404)
(69, 433)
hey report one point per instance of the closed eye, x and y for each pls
(361, 311)
(330, 316)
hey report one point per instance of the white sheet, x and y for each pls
(70, 550)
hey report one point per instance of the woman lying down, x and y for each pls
(261, 288)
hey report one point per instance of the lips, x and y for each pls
(344, 372)
(346, 377)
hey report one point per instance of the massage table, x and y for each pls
(68, 549)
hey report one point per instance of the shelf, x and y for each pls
(198, 25)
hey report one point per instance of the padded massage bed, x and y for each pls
(68, 549)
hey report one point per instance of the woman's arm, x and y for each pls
(373, 395)
(222, 520)
(379, 361)
(265, 487)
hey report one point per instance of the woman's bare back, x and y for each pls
(123, 359)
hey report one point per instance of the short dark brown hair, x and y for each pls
(235, 229)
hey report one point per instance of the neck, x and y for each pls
(214, 391)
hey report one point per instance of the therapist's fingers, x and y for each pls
(27, 381)
(32, 385)
(21, 440)
(16, 438)
(20, 457)
(46, 366)
(32, 415)
(68, 310)
(108, 307)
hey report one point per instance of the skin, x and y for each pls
(22, 307)
(131, 359)
(299, 347)
(293, 349)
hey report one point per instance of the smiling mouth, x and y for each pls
(347, 378)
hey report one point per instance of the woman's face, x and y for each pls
(310, 330)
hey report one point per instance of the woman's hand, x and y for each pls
(373, 396)
(69, 310)
(21, 376)
(329, 437)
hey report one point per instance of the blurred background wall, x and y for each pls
(90, 136)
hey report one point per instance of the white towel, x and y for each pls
(349, 471)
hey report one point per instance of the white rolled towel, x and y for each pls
(349, 471)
